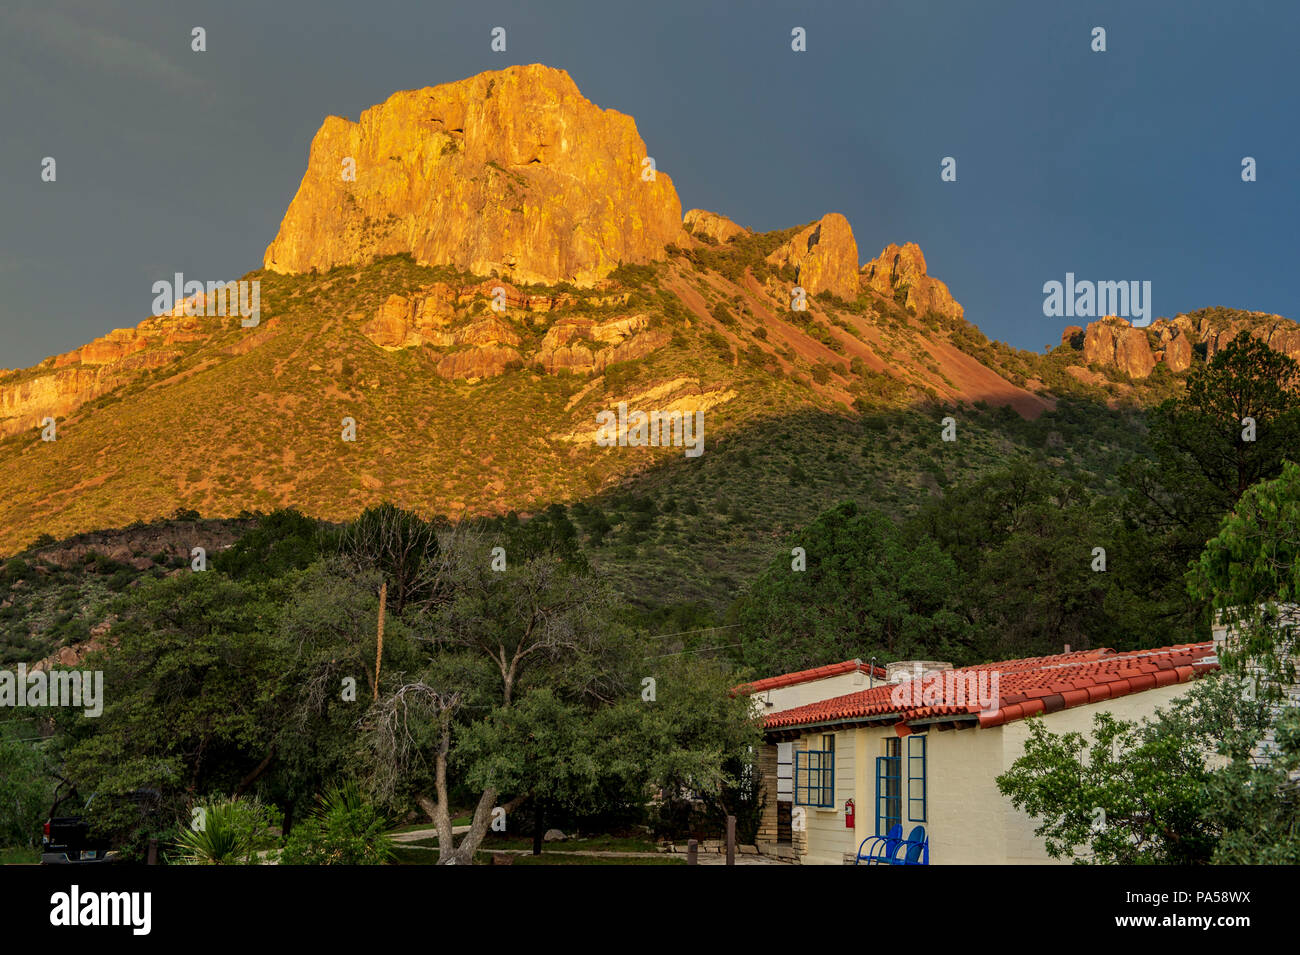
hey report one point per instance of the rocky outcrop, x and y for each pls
(483, 331)
(61, 384)
(423, 319)
(512, 170)
(685, 395)
(1114, 343)
(485, 362)
(583, 360)
(584, 346)
(1278, 333)
(71, 656)
(700, 222)
(574, 343)
(824, 256)
(394, 324)
(1173, 346)
(904, 268)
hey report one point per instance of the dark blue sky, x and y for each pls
(1117, 165)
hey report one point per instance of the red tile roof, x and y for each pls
(804, 676)
(1025, 687)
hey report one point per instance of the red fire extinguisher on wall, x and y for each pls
(848, 814)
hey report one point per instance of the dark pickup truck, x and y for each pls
(66, 838)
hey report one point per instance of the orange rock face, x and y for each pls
(484, 362)
(718, 228)
(1115, 343)
(513, 171)
(825, 255)
(64, 382)
(563, 348)
(896, 268)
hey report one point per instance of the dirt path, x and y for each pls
(415, 835)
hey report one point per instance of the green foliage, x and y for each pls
(225, 832)
(1148, 793)
(549, 533)
(1251, 567)
(868, 590)
(344, 829)
(1257, 808)
(402, 546)
(1201, 466)
(283, 540)
(192, 705)
(629, 273)
(723, 314)
(1021, 539)
(570, 759)
(26, 789)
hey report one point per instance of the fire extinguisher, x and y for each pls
(848, 815)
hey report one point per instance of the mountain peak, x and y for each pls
(511, 171)
(824, 256)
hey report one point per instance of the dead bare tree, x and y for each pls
(536, 617)
(398, 754)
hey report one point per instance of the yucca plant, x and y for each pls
(343, 829)
(227, 832)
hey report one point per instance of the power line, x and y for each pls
(660, 636)
(658, 656)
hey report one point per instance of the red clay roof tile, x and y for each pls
(806, 676)
(1026, 687)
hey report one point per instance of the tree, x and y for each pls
(1136, 793)
(403, 547)
(328, 628)
(699, 740)
(26, 788)
(549, 750)
(1251, 568)
(1022, 541)
(538, 624)
(867, 587)
(192, 705)
(1246, 379)
(1204, 460)
(1257, 807)
(283, 540)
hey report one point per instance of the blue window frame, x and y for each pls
(814, 777)
(891, 798)
(916, 779)
(889, 808)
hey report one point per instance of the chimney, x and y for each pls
(903, 670)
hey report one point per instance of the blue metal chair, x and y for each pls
(918, 849)
(883, 848)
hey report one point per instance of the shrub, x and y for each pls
(25, 793)
(344, 829)
(229, 832)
